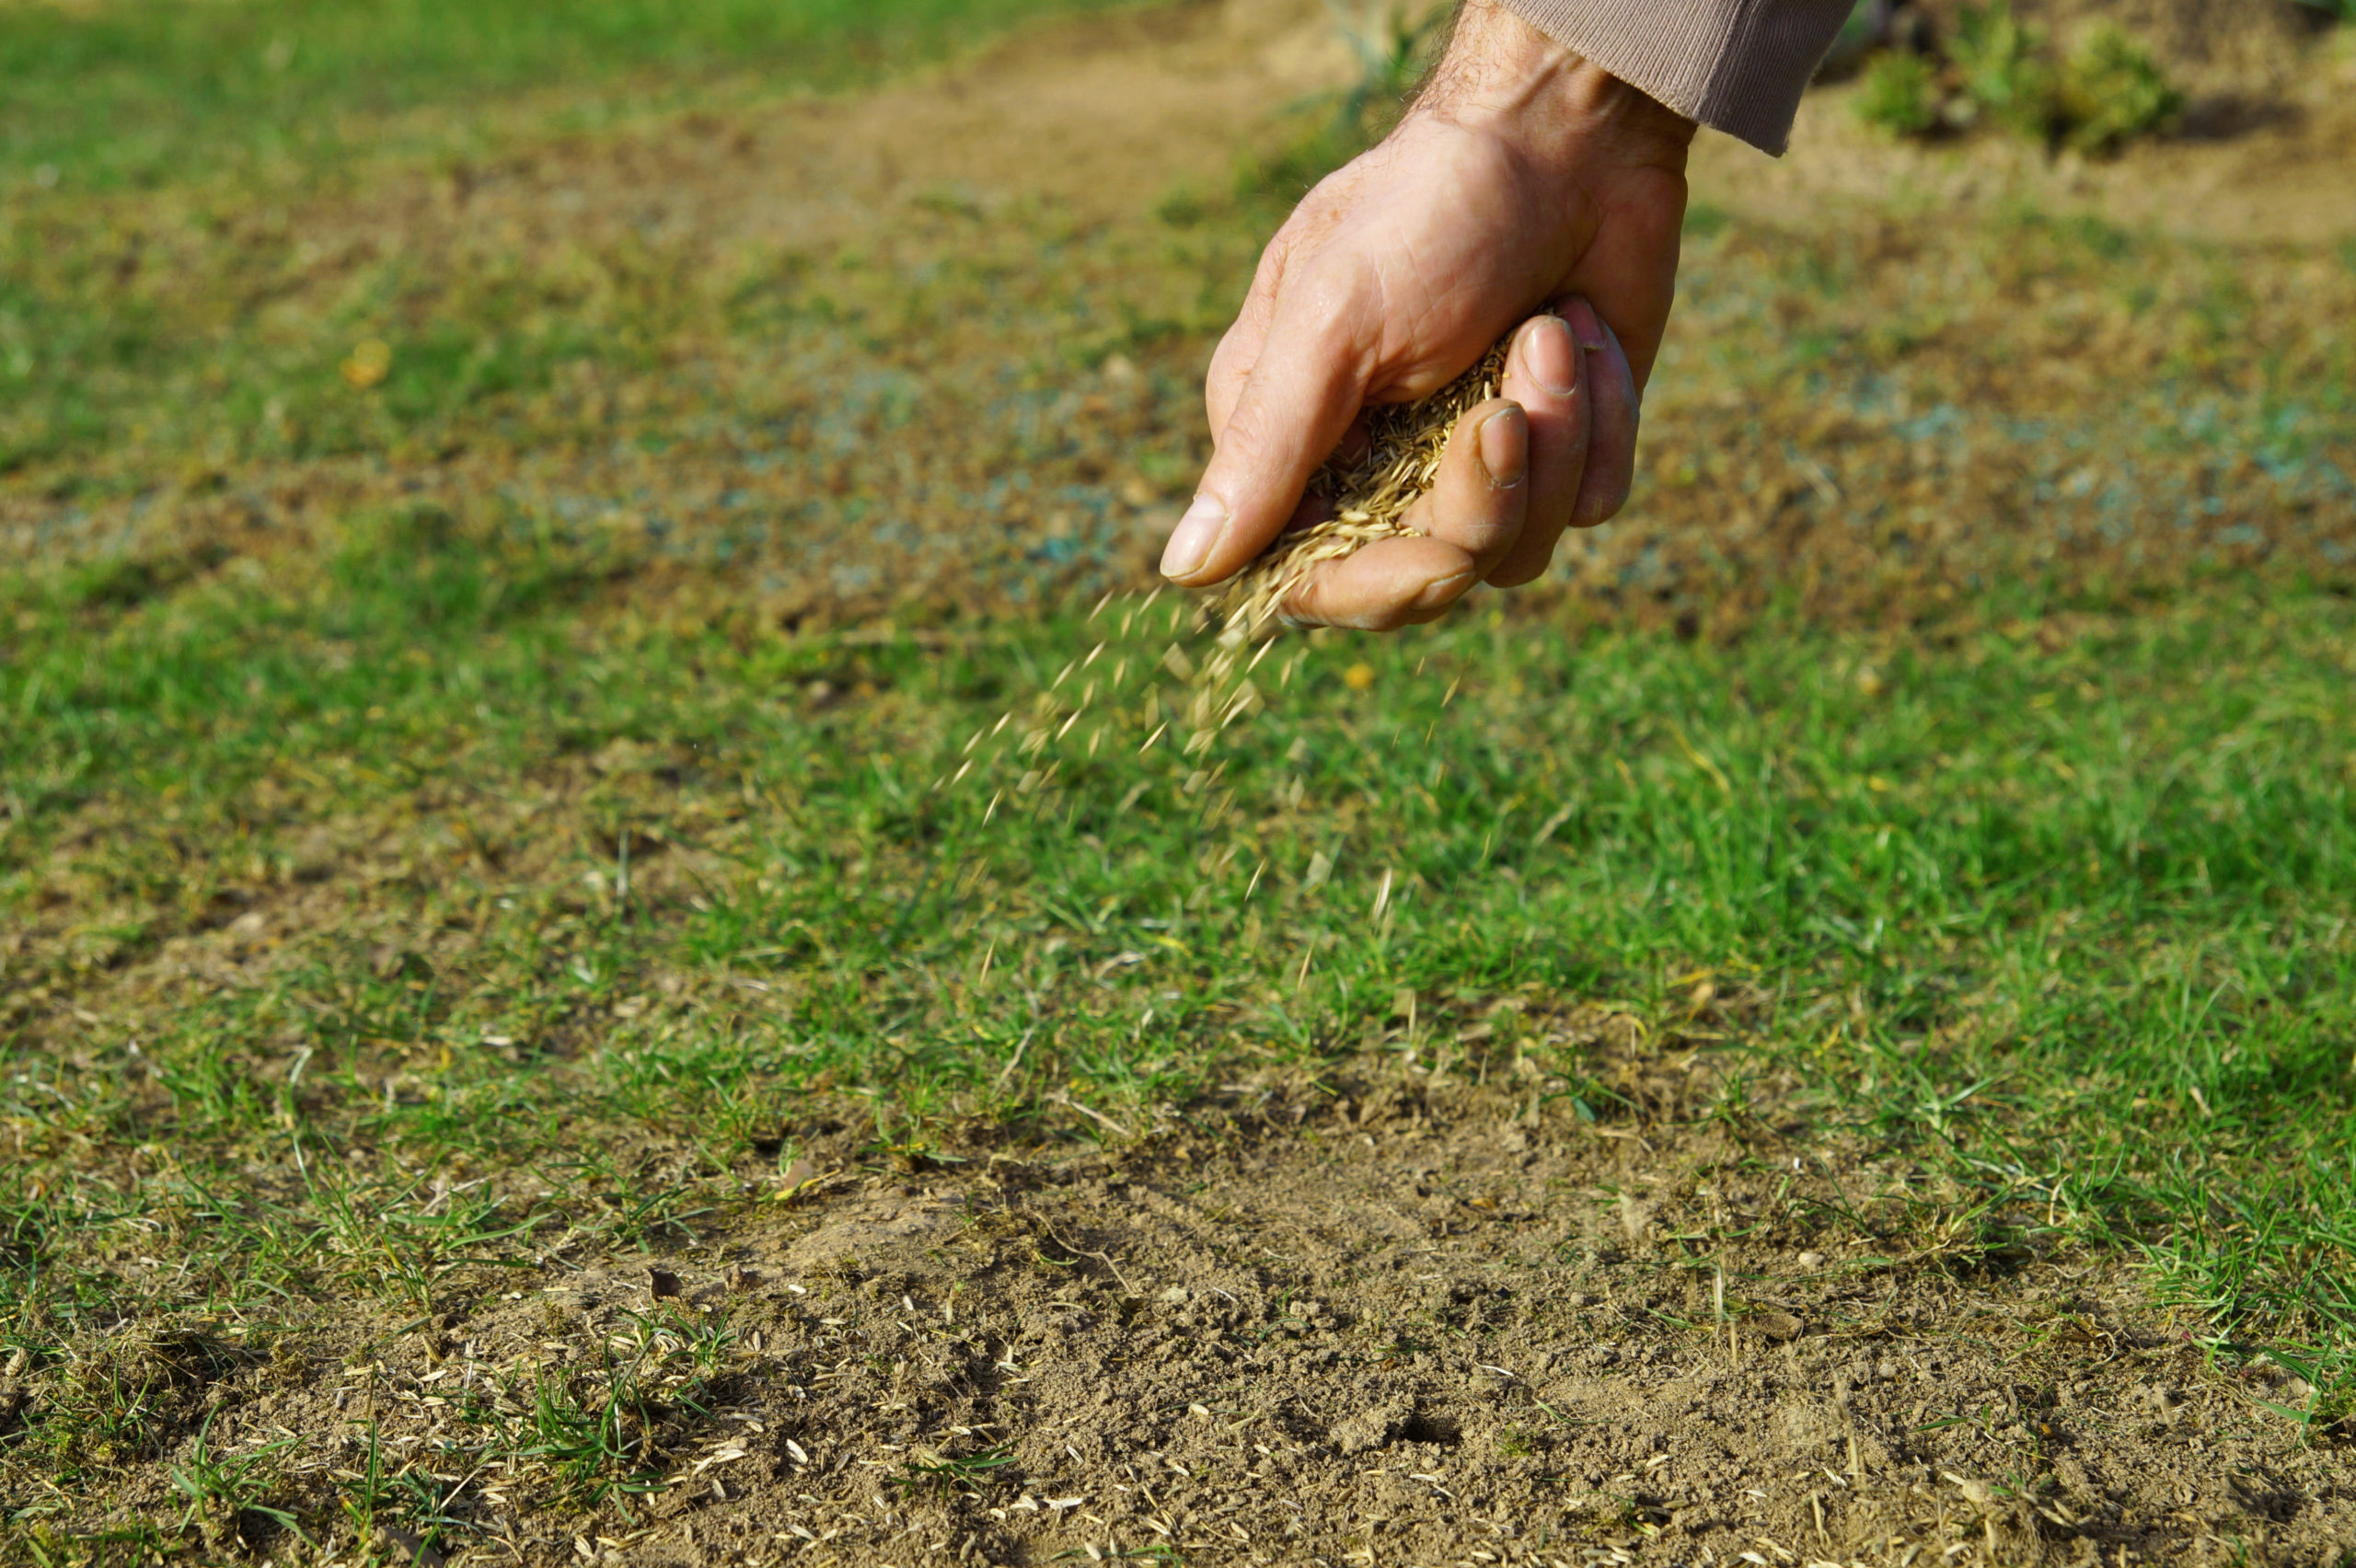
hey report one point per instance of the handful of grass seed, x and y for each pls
(1114, 695)
(1370, 495)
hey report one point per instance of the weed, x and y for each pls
(404, 1248)
(221, 1491)
(592, 1433)
(1394, 41)
(2000, 62)
(1900, 93)
(364, 1496)
(966, 1473)
(602, 1434)
(1997, 70)
(2112, 93)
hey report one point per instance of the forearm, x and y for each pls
(1738, 66)
(1559, 107)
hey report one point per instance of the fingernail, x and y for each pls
(1447, 590)
(1504, 447)
(1580, 316)
(1191, 541)
(1549, 357)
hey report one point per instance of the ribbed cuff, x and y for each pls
(1738, 66)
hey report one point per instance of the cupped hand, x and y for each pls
(1524, 186)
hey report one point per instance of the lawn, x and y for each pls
(148, 93)
(2065, 901)
(419, 891)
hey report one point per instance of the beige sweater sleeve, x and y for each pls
(1737, 65)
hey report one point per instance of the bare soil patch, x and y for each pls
(1390, 1316)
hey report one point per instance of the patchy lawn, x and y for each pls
(1824, 1032)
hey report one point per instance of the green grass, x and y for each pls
(143, 92)
(2068, 915)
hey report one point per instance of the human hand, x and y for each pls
(1522, 178)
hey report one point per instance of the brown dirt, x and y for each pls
(1429, 1314)
(1433, 1326)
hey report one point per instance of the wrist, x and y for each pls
(1502, 76)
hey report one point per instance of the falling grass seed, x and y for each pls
(1213, 690)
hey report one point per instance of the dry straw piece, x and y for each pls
(1370, 496)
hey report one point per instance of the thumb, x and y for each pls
(1294, 407)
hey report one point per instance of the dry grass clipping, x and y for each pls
(1372, 496)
